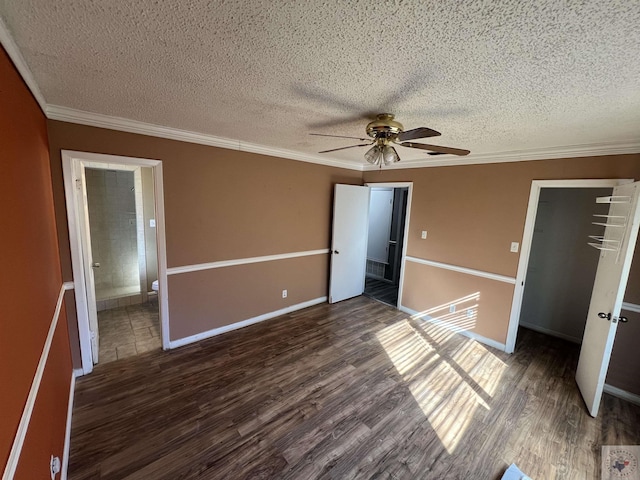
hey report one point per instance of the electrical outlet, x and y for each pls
(54, 466)
(284, 294)
(514, 247)
(452, 308)
(469, 313)
(423, 236)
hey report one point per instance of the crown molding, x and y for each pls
(548, 153)
(20, 63)
(65, 114)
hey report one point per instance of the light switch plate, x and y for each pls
(152, 223)
(423, 235)
(514, 247)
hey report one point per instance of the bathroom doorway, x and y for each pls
(387, 217)
(116, 231)
(121, 214)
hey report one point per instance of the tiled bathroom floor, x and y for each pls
(127, 331)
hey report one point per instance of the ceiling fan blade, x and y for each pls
(343, 148)
(339, 136)
(421, 132)
(436, 148)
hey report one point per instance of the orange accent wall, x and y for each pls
(31, 278)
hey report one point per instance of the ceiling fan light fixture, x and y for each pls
(373, 155)
(389, 155)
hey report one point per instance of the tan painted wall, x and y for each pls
(430, 290)
(30, 282)
(217, 297)
(624, 369)
(473, 213)
(220, 205)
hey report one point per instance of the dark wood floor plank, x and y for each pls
(354, 390)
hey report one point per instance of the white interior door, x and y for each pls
(87, 260)
(349, 242)
(617, 248)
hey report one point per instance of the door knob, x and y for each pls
(95, 265)
(605, 315)
(623, 319)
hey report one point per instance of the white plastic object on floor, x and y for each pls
(154, 286)
(514, 473)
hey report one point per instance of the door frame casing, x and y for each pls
(72, 161)
(527, 240)
(407, 217)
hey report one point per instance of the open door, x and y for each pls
(616, 246)
(87, 259)
(349, 242)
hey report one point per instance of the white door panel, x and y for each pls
(608, 292)
(349, 242)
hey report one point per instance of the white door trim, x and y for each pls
(527, 239)
(70, 161)
(407, 218)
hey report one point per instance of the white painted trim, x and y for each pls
(469, 271)
(623, 394)
(56, 112)
(527, 240)
(243, 261)
(244, 323)
(407, 218)
(467, 333)
(631, 307)
(547, 153)
(21, 64)
(23, 426)
(552, 333)
(72, 161)
(67, 430)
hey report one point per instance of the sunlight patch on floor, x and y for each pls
(448, 383)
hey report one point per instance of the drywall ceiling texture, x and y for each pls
(492, 76)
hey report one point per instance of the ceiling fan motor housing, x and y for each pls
(384, 126)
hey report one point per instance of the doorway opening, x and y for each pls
(562, 265)
(121, 217)
(531, 263)
(116, 232)
(385, 246)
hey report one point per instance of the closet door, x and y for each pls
(616, 247)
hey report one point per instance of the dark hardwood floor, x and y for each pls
(384, 292)
(350, 390)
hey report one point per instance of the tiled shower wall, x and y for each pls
(112, 216)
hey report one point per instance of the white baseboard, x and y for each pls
(67, 432)
(553, 333)
(474, 336)
(244, 323)
(623, 394)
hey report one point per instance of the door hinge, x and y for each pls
(93, 334)
(78, 184)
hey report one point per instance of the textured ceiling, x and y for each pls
(492, 76)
